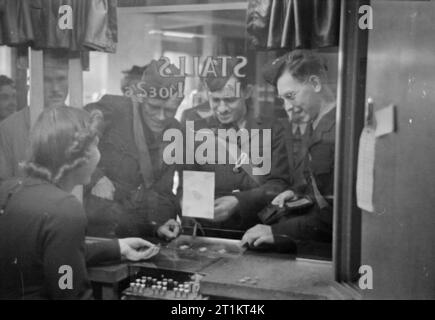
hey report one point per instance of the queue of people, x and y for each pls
(114, 147)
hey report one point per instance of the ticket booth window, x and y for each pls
(183, 32)
(189, 30)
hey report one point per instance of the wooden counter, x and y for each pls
(272, 276)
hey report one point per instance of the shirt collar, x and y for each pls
(302, 126)
(322, 113)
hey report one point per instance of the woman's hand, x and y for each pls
(135, 249)
(283, 197)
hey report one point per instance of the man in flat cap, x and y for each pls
(301, 80)
(15, 130)
(240, 191)
(131, 190)
(131, 78)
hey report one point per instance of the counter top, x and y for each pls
(267, 275)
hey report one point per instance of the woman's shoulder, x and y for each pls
(38, 196)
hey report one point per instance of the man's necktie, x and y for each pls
(297, 142)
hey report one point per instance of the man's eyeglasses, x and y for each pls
(291, 95)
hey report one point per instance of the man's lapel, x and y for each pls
(288, 134)
(252, 123)
(325, 125)
(304, 146)
(145, 163)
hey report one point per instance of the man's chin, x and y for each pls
(55, 103)
(296, 118)
(156, 127)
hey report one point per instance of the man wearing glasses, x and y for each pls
(301, 81)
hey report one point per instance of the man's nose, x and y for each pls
(289, 106)
(222, 106)
(297, 109)
(293, 108)
(161, 115)
(55, 86)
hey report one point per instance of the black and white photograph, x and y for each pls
(234, 152)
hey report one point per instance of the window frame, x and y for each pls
(350, 119)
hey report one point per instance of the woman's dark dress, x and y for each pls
(42, 234)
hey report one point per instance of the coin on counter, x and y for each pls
(245, 279)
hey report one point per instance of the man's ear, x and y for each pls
(315, 82)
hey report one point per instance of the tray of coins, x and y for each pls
(162, 284)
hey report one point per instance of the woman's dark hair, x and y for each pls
(60, 141)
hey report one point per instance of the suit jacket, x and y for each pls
(316, 156)
(14, 143)
(42, 228)
(137, 208)
(254, 192)
(315, 161)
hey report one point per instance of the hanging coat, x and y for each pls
(291, 24)
(36, 23)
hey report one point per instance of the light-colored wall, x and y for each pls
(5, 61)
(135, 46)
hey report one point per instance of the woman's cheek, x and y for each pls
(98, 156)
(93, 159)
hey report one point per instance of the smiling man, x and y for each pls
(301, 81)
(56, 84)
(240, 193)
(131, 190)
(15, 130)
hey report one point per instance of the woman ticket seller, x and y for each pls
(42, 224)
